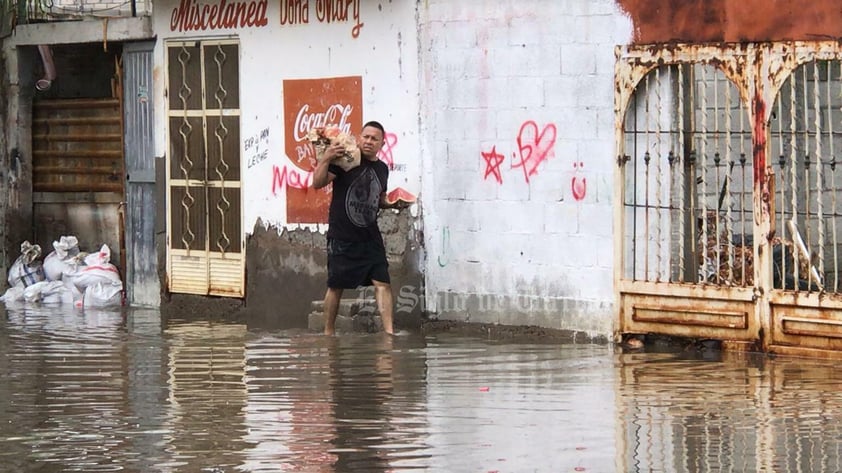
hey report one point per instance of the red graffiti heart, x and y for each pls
(534, 147)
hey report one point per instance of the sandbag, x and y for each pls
(13, 294)
(62, 259)
(104, 294)
(55, 292)
(33, 292)
(26, 270)
(96, 269)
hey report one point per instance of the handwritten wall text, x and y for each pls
(257, 148)
(297, 12)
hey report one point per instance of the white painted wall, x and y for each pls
(384, 55)
(504, 78)
(528, 83)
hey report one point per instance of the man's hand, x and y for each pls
(331, 152)
(321, 176)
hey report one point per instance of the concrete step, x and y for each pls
(344, 324)
(354, 315)
(348, 307)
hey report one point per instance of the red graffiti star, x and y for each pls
(493, 160)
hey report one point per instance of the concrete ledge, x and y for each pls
(590, 317)
(84, 31)
(344, 324)
(354, 315)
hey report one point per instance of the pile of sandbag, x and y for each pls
(67, 276)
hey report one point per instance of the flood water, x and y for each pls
(111, 391)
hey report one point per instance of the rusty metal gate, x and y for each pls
(204, 240)
(729, 195)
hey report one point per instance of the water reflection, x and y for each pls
(207, 396)
(747, 413)
(119, 391)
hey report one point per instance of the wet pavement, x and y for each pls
(111, 391)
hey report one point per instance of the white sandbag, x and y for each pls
(104, 294)
(84, 276)
(32, 293)
(53, 267)
(26, 269)
(66, 246)
(13, 294)
(65, 250)
(100, 258)
(55, 292)
(72, 296)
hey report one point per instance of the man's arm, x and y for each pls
(321, 176)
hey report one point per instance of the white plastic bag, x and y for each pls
(26, 270)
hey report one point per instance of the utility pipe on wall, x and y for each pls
(49, 68)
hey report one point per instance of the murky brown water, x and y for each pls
(104, 391)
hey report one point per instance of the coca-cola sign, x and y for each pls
(312, 103)
(308, 104)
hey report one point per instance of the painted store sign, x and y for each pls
(308, 104)
(195, 15)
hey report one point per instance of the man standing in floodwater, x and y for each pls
(356, 255)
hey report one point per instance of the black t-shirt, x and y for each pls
(356, 201)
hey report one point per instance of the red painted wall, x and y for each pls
(696, 21)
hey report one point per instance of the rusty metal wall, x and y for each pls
(142, 284)
(78, 173)
(662, 21)
(77, 145)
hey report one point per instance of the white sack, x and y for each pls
(26, 270)
(104, 294)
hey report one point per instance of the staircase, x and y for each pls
(354, 315)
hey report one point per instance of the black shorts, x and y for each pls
(351, 264)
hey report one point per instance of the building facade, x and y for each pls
(571, 159)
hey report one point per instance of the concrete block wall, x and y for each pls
(517, 126)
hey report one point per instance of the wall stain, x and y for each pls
(696, 21)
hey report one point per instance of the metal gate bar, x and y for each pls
(691, 126)
(806, 249)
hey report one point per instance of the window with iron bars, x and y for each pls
(687, 173)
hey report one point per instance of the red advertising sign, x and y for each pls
(313, 103)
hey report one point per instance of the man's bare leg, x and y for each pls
(332, 298)
(383, 295)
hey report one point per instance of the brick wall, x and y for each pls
(517, 104)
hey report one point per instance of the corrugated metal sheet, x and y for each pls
(142, 283)
(77, 146)
(77, 178)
